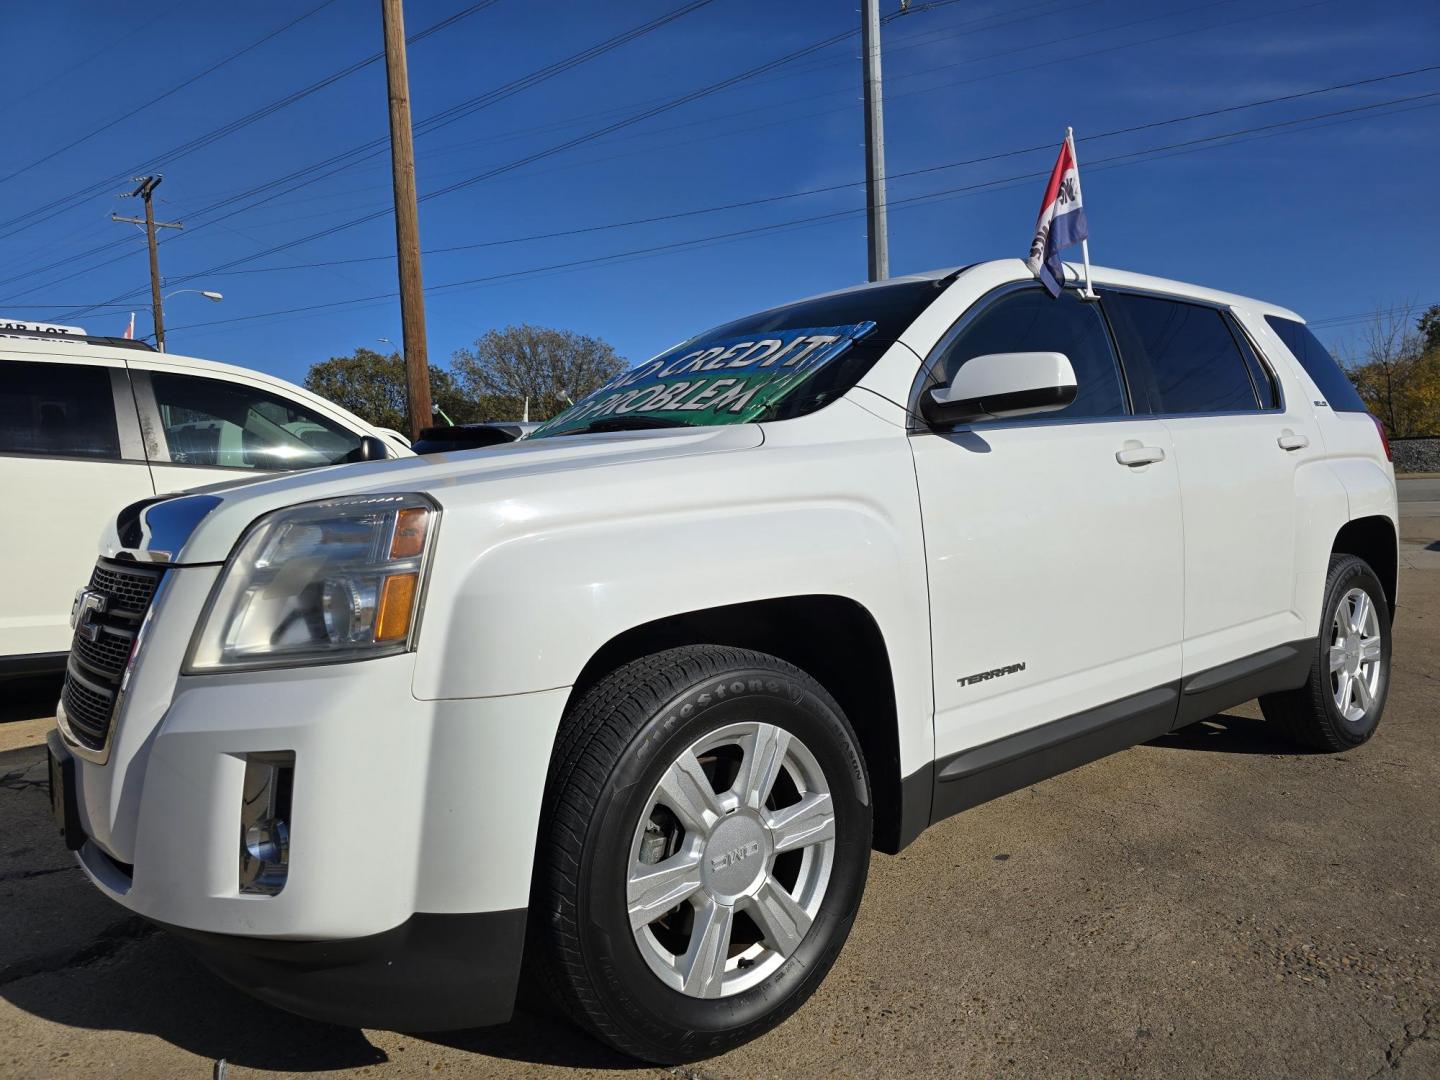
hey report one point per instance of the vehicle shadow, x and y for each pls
(1226, 733)
(29, 698)
(69, 956)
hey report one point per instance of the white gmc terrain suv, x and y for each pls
(633, 699)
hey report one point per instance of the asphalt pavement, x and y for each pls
(1214, 903)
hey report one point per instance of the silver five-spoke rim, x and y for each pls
(1356, 667)
(730, 860)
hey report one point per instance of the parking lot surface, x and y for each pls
(1212, 903)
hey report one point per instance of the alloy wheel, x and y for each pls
(1356, 656)
(730, 860)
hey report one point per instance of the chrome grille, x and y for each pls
(104, 633)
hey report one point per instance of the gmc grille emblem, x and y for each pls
(735, 855)
(87, 603)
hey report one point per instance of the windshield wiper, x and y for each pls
(626, 423)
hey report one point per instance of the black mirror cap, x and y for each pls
(371, 448)
(997, 407)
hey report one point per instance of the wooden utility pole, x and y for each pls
(407, 220)
(876, 226)
(147, 187)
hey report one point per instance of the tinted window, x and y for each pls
(64, 410)
(209, 422)
(1194, 361)
(1261, 376)
(1327, 375)
(1030, 321)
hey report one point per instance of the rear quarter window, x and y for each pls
(57, 410)
(1329, 378)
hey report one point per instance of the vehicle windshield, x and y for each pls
(774, 365)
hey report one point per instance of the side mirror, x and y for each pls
(1000, 385)
(371, 448)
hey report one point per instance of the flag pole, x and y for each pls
(1089, 293)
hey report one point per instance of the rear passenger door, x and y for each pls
(201, 430)
(70, 458)
(1237, 444)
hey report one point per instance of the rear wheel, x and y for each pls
(708, 837)
(1339, 706)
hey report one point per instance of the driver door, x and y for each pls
(1056, 571)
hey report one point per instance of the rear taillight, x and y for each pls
(1384, 438)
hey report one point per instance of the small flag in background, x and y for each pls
(130, 330)
(1061, 221)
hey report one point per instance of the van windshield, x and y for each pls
(774, 365)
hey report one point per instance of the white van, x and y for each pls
(91, 424)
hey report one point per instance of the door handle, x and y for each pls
(1135, 456)
(1288, 440)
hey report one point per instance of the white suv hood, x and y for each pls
(203, 526)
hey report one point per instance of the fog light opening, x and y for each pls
(265, 823)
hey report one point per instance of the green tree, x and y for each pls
(549, 367)
(372, 385)
(1398, 371)
(1429, 326)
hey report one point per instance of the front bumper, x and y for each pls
(412, 830)
(430, 973)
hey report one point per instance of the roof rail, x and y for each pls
(89, 339)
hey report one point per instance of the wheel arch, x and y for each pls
(1373, 539)
(834, 639)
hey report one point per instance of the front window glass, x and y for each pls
(1030, 321)
(57, 410)
(775, 365)
(232, 426)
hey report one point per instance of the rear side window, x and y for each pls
(233, 426)
(1194, 362)
(1332, 382)
(1030, 321)
(57, 410)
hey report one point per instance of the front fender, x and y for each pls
(568, 566)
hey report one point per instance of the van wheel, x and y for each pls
(1340, 704)
(706, 836)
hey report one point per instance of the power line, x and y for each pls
(827, 188)
(378, 146)
(33, 217)
(1096, 164)
(173, 90)
(375, 147)
(673, 103)
(596, 134)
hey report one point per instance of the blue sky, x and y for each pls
(1333, 217)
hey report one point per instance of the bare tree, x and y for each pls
(1398, 371)
(550, 368)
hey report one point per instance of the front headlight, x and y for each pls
(324, 581)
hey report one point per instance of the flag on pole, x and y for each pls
(1061, 222)
(130, 330)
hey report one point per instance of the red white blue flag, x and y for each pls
(1061, 221)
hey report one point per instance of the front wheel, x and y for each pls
(707, 833)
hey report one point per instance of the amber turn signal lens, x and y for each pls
(409, 539)
(397, 600)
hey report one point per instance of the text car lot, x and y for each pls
(1210, 903)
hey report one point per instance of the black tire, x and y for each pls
(616, 743)
(1309, 715)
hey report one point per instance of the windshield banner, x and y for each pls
(720, 381)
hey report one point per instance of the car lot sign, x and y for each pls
(714, 381)
(30, 329)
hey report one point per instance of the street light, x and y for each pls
(208, 294)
